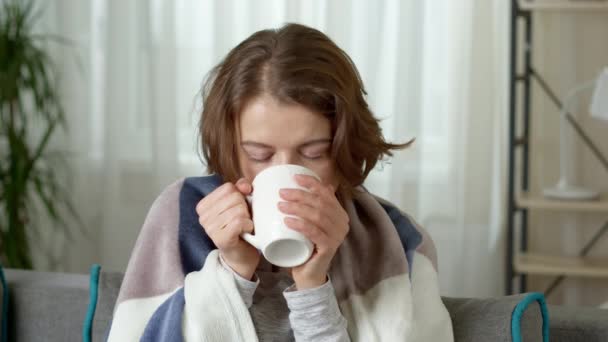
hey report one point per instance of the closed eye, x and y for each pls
(312, 156)
(259, 159)
(257, 152)
(315, 152)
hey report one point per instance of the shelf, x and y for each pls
(563, 5)
(557, 265)
(532, 201)
(522, 18)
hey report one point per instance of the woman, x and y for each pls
(286, 96)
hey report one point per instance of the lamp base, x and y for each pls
(571, 192)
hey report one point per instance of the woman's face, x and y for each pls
(272, 133)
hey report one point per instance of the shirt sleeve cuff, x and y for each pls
(245, 287)
(303, 299)
(315, 315)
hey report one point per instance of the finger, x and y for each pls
(326, 202)
(306, 212)
(219, 215)
(229, 236)
(205, 204)
(309, 182)
(231, 200)
(244, 186)
(333, 221)
(236, 212)
(312, 232)
(301, 196)
(325, 191)
(247, 226)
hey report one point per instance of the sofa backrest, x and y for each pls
(108, 287)
(53, 306)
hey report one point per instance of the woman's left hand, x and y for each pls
(320, 218)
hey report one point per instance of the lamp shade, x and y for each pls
(599, 101)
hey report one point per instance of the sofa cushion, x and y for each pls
(492, 319)
(571, 323)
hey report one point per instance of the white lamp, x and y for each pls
(599, 102)
(565, 189)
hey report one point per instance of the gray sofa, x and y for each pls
(52, 307)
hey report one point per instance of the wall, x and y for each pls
(569, 49)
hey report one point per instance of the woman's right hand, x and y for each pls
(224, 215)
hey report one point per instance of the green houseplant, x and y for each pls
(30, 113)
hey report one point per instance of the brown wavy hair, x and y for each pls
(295, 64)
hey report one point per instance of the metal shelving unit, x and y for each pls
(519, 261)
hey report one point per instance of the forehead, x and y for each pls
(271, 122)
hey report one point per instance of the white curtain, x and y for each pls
(434, 70)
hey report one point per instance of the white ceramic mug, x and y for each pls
(280, 245)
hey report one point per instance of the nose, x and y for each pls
(286, 158)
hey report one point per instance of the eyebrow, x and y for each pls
(306, 144)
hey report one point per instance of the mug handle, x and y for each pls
(250, 238)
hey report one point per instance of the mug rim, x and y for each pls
(270, 168)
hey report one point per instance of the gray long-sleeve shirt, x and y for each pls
(281, 313)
